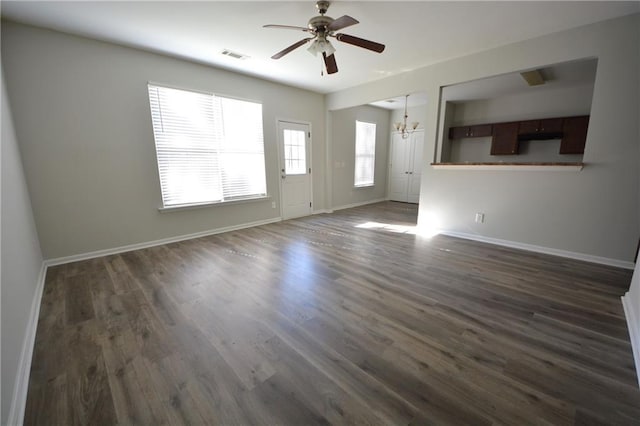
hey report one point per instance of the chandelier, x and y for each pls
(402, 126)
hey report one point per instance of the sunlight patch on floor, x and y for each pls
(400, 229)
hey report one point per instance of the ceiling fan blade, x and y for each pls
(342, 22)
(360, 42)
(291, 48)
(330, 63)
(287, 27)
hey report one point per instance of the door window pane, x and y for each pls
(295, 154)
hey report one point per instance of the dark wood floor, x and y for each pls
(317, 321)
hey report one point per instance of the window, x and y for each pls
(365, 153)
(209, 148)
(295, 156)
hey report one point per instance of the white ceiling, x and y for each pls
(414, 99)
(416, 33)
(566, 74)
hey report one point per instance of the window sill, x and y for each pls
(213, 204)
(363, 186)
(510, 166)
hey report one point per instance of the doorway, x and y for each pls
(405, 170)
(295, 169)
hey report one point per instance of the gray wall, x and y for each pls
(343, 153)
(81, 113)
(21, 259)
(592, 212)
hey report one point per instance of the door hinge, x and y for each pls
(309, 133)
(309, 204)
(309, 170)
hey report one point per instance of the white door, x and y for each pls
(295, 169)
(399, 172)
(415, 169)
(406, 167)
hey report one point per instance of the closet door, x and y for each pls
(415, 166)
(399, 168)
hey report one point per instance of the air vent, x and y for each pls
(233, 54)
(533, 78)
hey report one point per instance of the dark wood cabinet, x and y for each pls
(481, 130)
(528, 127)
(459, 132)
(551, 125)
(547, 126)
(505, 139)
(574, 134)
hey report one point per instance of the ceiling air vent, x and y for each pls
(533, 78)
(232, 54)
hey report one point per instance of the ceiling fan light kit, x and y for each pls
(321, 27)
(321, 45)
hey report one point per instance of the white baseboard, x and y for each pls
(19, 399)
(541, 249)
(138, 246)
(633, 323)
(363, 203)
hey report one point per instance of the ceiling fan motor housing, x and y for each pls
(320, 23)
(322, 6)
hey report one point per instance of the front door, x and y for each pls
(295, 169)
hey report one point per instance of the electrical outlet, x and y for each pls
(273, 204)
(479, 217)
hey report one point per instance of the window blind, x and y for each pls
(209, 148)
(365, 154)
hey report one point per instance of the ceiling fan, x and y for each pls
(320, 27)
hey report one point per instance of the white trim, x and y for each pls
(633, 324)
(540, 249)
(511, 167)
(363, 203)
(138, 246)
(322, 211)
(19, 399)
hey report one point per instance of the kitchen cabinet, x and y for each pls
(547, 126)
(477, 131)
(505, 139)
(405, 168)
(574, 135)
(572, 132)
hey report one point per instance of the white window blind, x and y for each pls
(209, 148)
(365, 153)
